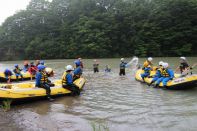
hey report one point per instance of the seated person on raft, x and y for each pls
(42, 81)
(158, 73)
(17, 72)
(146, 73)
(78, 70)
(167, 75)
(8, 74)
(67, 81)
(148, 62)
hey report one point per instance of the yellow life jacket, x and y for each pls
(44, 77)
(64, 80)
(164, 73)
(147, 63)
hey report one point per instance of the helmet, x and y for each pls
(69, 67)
(160, 63)
(165, 65)
(183, 58)
(15, 65)
(41, 67)
(42, 62)
(150, 58)
(122, 59)
(77, 62)
(79, 58)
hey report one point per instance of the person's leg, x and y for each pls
(165, 80)
(158, 81)
(123, 72)
(153, 80)
(48, 90)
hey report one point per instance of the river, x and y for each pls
(108, 102)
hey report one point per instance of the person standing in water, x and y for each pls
(122, 67)
(96, 66)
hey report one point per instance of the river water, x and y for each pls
(108, 102)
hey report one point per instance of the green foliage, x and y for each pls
(6, 104)
(97, 28)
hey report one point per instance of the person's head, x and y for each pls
(26, 63)
(16, 65)
(150, 59)
(41, 67)
(79, 59)
(42, 62)
(161, 63)
(69, 68)
(165, 65)
(182, 59)
(122, 59)
(49, 71)
(77, 63)
(37, 62)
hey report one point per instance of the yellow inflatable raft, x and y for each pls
(178, 82)
(28, 90)
(26, 75)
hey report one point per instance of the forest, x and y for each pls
(61, 29)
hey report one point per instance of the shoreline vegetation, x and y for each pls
(100, 29)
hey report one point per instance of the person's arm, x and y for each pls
(171, 73)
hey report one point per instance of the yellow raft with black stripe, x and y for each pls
(177, 83)
(26, 75)
(28, 90)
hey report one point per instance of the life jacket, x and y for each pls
(44, 77)
(147, 63)
(122, 65)
(165, 73)
(64, 80)
(17, 70)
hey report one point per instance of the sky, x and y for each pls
(10, 7)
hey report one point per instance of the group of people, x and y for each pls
(68, 78)
(17, 71)
(163, 72)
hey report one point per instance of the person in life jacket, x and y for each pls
(32, 69)
(17, 72)
(107, 68)
(8, 74)
(148, 62)
(26, 66)
(146, 72)
(78, 70)
(42, 81)
(67, 81)
(167, 75)
(96, 66)
(184, 66)
(158, 73)
(122, 67)
(81, 62)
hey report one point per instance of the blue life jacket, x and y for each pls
(123, 65)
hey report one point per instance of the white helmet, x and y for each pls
(161, 63)
(165, 65)
(122, 59)
(69, 67)
(183, 58)
(150, 58)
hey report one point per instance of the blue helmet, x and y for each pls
(42, 62)
(15, 65)
(41, 67)
(77, 62)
